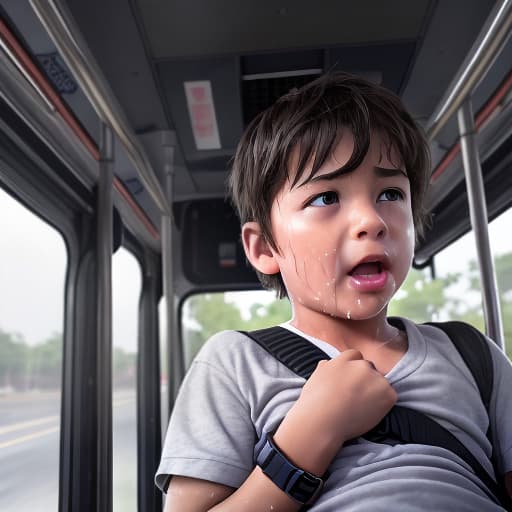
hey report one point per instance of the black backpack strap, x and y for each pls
(294, 351)
(407, 426)
(474, 350)
(401, 424)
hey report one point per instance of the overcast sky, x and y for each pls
(33, 263)
(32, 272)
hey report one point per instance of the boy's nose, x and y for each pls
(368, 224)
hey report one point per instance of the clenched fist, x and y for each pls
(344, 398)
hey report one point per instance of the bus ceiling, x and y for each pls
(225, 69)
(177, 88)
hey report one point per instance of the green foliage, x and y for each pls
(474, 314)
(267, 315)
(124, 368)
(506, 314)
(421, 299)
(122, 360)
(47, 356)
(214, 314)
(25, 367)
(211, 314)
(503, 265)
(13, 359)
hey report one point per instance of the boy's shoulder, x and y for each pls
(236, 354)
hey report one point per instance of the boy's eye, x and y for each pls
(324, 199)
(391, 194)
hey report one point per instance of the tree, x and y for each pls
(45, 360)
(210, 313)
(214, 314)
(421, 299)
(503, 267)
(13, 360)
(268, 315)
(123, 367)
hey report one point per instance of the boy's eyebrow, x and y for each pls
(381, 172)
(386, 172)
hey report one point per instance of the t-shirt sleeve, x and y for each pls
(501, 408)
(210, 434)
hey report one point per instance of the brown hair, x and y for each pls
(311, 119)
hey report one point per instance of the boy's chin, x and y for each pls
(359, 313)
(360, 316)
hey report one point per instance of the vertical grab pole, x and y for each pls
(479, 219)
(176, 367)
(104, 316)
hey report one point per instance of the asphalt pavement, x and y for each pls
(29, 452)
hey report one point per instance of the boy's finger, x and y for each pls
(350, 354)
(372, 365)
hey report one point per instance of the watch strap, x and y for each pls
(300, 485)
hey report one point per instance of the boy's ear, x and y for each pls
(257, 249)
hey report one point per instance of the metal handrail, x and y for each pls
(66, 36)
(490, 41)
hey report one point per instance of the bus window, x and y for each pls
(502, 248)
(126, 285)
(419, 298)
(460, 261)
(164, 364)
(33, 262)
(207, 313)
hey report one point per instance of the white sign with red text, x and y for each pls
(202, 114)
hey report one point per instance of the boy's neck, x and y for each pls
(347, 334)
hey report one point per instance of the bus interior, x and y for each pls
(119, 121)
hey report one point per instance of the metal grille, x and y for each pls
(257, 95)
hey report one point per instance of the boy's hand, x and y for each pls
(344, 398)
(347, 396)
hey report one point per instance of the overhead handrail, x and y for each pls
(490, 41)
(484, 51)
(66, 36)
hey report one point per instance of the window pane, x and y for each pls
(420, 298)
(457, 267)
(501, 243)
(206, 314)
(164, 364)
(126, 286)
(33, 264)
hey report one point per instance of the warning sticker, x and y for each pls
(202, 114)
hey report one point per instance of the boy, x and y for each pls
(329, 184)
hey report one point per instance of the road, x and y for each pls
(29, 452)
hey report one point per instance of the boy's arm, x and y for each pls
(256, 493)
(329, 411)
(194, 495)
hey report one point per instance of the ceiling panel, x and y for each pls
(187, 28)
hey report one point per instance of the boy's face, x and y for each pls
(346, 243)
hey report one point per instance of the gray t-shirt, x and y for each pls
(235, 390)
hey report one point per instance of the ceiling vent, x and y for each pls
(260, 91)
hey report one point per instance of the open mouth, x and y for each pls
(370, 274)
(367, 268)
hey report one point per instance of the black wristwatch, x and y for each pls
(300, 485)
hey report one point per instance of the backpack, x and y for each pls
(401, 424)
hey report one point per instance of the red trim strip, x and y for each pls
(485, 112)
(120, 187)
(69, 117)
(33, 71)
